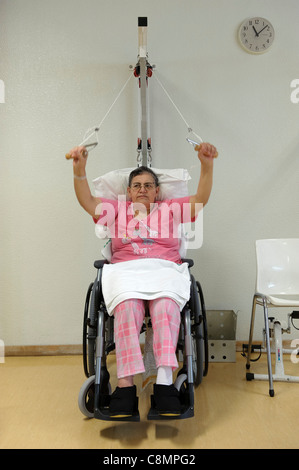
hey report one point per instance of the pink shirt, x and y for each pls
(155, 236)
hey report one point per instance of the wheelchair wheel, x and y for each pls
(89, 332)
(198, 351)
(86, 397)
(205, 329)
(199, 333)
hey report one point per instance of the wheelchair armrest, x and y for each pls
(189, 261)
(98, 264)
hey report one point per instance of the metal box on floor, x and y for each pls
(222, 326)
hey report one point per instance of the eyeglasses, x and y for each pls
(147, 186)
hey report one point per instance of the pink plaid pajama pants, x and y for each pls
(128, 320)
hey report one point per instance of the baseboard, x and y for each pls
(76, 349)
(44, 350)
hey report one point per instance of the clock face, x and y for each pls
(256, 35)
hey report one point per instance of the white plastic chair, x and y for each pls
(277, 285)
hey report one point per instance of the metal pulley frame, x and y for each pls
(143, 70)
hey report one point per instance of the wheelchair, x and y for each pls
(98, 342)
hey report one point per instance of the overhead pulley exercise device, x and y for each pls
(143, 70)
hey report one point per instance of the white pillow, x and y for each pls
(173, 183)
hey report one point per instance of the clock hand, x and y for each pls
(262, 29)
(256, 33)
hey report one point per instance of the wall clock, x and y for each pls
(256, 35)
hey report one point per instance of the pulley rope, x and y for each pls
(177, 109)
(95, 129)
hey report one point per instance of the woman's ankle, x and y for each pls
(164, 375)
(126, 381)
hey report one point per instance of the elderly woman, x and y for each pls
(144, 231)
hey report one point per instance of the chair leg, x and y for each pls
(271, 389)
(250, 376)
(251, 332)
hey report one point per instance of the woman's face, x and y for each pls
(143, 189)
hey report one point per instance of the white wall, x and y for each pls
(62, 63)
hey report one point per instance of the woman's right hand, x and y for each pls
(79, 155)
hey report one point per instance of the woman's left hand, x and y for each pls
(206, 152)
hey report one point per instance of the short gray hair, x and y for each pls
(140, 171)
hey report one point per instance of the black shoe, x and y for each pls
(167, 400)
(122, 402)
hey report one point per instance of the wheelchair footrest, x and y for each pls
(153, 414)
(103, 413)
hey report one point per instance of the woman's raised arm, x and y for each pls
(206, 154)
(86, 199)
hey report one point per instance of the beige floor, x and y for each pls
(38, 409)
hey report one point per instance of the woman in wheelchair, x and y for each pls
(144, 231)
